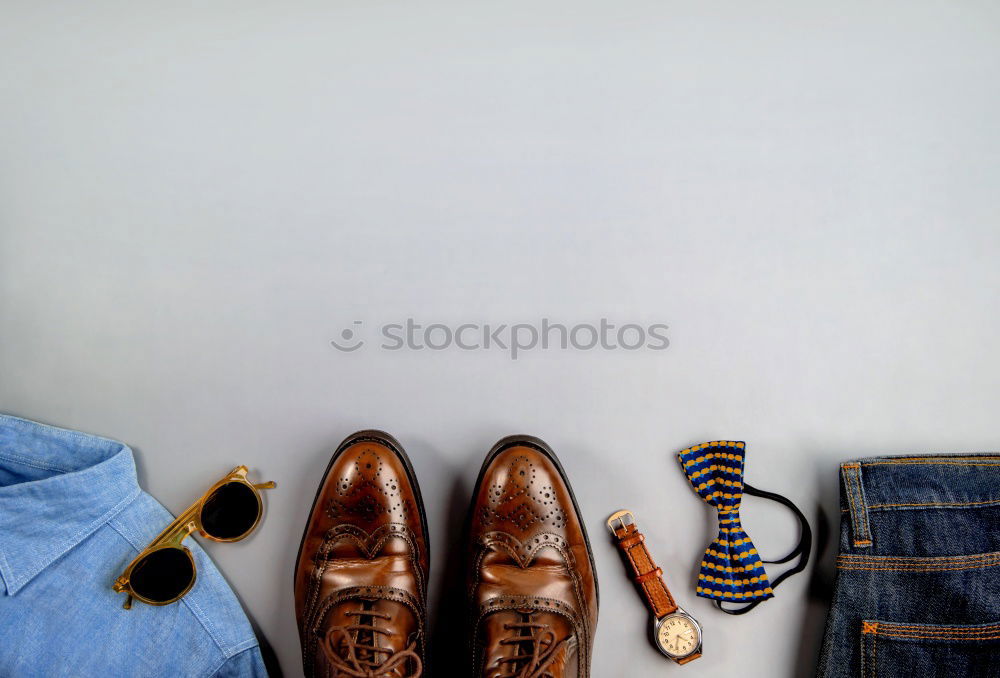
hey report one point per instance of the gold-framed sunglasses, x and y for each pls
(165, 571)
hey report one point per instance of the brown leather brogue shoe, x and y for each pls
(532, 583)
(361, 575)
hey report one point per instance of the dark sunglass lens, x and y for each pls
(162, 575)
(230, 511)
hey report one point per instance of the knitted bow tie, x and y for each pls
(731, 569)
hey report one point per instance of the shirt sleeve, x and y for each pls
(245, 664)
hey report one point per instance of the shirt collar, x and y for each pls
(56, 488)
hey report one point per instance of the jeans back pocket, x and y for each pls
(903, 650)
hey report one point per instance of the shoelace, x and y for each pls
(351, 658)
(543, 648)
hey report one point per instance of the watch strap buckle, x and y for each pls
(624, 518)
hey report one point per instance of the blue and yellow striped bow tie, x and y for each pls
(731, 570)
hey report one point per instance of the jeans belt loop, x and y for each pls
(854, 490)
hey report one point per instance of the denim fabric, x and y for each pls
(918, 575)
(72, 517)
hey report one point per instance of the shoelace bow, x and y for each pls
(543, 650)
(352, 658)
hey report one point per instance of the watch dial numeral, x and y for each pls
(678, 636)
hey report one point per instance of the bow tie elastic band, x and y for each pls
(731, 570)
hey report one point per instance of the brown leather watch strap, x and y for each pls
(647, 574)
(689, 658)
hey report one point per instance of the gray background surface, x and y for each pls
(195, 200)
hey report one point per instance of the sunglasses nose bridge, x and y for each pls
(269, 485)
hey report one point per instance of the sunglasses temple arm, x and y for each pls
(269, 485)
(128, 602)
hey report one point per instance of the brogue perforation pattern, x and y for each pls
(521, 501)
(374, 493)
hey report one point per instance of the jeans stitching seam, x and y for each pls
(863, 651)
(929, 463)
(940, 503)
(933, 504)
(917, 569)
(863, 508)
(929, 560)
(859, 519)
(984, 630)
(919, 637)
(850, 499)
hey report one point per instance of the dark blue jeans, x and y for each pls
(918, 575)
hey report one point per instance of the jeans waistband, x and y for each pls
(906, 483)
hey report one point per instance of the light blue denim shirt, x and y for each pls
(72, 517)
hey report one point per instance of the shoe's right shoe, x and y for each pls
(532, 586)
(361, 574)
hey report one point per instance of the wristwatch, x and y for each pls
(675, 633)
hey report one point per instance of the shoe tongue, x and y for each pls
(502, 625)
(387, 570)
(402, 625)
(501, 576)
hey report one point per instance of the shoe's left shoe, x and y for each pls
(532, 586)
(361, 575)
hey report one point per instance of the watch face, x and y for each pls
(678, 635)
